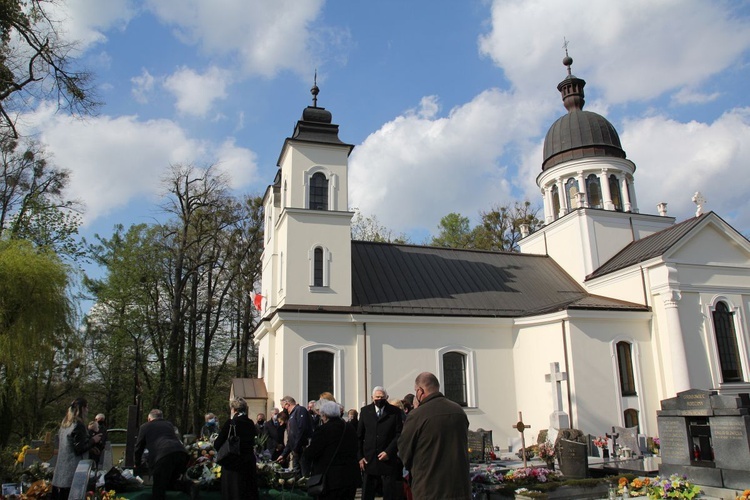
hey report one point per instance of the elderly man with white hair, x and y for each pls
(333, 452)
(378, 431)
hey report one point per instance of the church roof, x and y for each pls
(421, 280)
(578, 134)
(647, 248)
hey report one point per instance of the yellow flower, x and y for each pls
(622, 482)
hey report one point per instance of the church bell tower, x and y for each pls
(307, 253)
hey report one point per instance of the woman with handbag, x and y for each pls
(238, 479)
(75, 444)
(333, 453)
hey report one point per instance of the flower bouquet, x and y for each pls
(636, 488)
(674, 487)
(601, 442)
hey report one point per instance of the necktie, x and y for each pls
(380, 412)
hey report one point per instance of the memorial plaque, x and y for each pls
(731, 442)
(574, 459)
(675, 445)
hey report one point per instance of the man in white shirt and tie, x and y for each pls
(378, 431)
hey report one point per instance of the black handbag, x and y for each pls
(229, 453)
(316, 485)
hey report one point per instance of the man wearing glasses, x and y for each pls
(299, 431)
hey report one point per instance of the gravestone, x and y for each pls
(520, 427)
(573, 458)
(706, 436)
(480, 445)
(628, 438)
(81, 480)
(130, 437)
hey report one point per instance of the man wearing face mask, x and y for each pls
(210, 428)
(378, 431)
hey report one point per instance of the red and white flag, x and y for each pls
(257, 300)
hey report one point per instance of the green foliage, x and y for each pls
(370, 229)
(499, 229)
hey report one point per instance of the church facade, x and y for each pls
(604, 312)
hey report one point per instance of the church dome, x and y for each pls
(580, 134)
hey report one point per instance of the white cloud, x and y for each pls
(142, 86)
(85, 21)
(266, 37)
(196, 93)
(674, 160)
(690, 96)
(614, 44)
(419, 167)
(114, 160)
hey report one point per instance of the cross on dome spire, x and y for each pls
(315, 90)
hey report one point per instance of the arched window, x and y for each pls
(318, 192)
(625, 366)
(454, 377)
(319, 374)
(614, 189)
(631, 418)
(594, 191)
(555, 202)
(726, 342)
(571, 191)
(318, 267)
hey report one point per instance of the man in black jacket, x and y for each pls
(299, 431)
(167, 457)
(378, 431)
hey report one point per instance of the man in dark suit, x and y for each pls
(167, 457)
(378, 431)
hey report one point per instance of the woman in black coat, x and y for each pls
(238, 476)
(333, 452)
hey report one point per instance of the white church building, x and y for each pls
(632, 307)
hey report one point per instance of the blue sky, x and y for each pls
(446, 102)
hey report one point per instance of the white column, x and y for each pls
(626, 206)
(582, 188)
(549, 215)
(633, 202)
(563, 197)
(680, 372)
(606, 193)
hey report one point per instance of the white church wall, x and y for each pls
(537, 343)
(624, 285)
(302, 157)
(399, 349)
(330, 231)
(593, 371)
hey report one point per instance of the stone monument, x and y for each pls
(706, 436)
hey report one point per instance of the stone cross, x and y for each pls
(558, 419)
(699, 201)
(520, 427)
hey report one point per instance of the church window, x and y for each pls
(319, 373)
(318, 192)
(454, 377)
(594, 191)
(555, 202)
(318, 267)
(625, 367)
(726, 341)
(614, 189)
(571, 190)
(631, 418)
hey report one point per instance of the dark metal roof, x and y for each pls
(580, 134)
(315, 126)
(420, 280)
(647, 248)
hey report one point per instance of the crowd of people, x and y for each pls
(410, 448)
